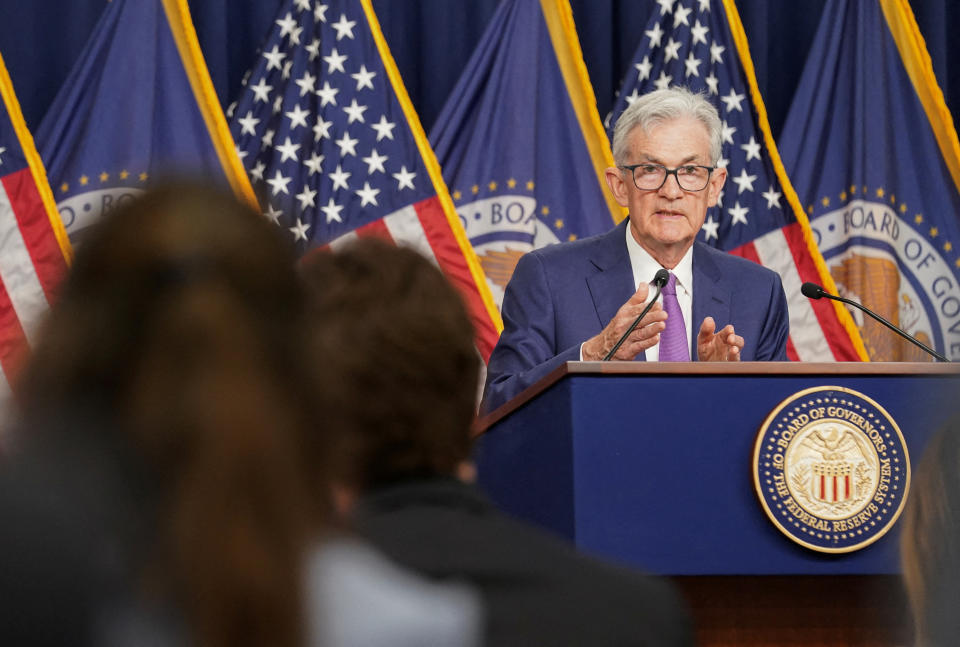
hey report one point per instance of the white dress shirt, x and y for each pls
(644, 268)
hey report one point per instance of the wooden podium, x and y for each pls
(651, 465)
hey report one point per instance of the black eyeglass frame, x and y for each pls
(667, 172)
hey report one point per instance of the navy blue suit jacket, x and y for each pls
(562, 295)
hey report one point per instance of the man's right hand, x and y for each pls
(645, 335)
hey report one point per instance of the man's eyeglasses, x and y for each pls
(650, 177)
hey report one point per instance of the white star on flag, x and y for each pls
(773, 198)
(672, 50)
(279, 183)
(666, 6)
(288, 150)
(733, 100)
(321, 129)
(327, 94)
(248, 124)
(643, 68)
(340, 177)
(364, 78)
(273, 214)
(274, 58)
(384, 128)
(375, 162)
(404, 178)
(738, 213)
(306, 197)
(752, 149)
(335, 61)
(710, 227)
(300, 230)
(716, 52)
(344, 27)
(655, 35)
(313, 164)
(348, 145)
(298, 117)
(663, 82)
(332, 211)
(305, 83)
(744, 181)
(368, 195)
(699, 33)
(354, 112)
(726, 132)
(693, 64)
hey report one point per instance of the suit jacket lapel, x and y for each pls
(711, 297)
(612, 284)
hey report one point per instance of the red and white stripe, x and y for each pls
(832, 488)
(423, 226)
(816, 334)
(31, 266)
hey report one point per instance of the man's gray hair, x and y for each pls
(665, 105)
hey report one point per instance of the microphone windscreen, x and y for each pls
(811, 290)
(661, 277)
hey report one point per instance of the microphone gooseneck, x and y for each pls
(814, 291)
(659, 280)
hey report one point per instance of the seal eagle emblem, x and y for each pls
(831, 469)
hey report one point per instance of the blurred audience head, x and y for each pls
(175, 346)
(930, 540)
(398, 370)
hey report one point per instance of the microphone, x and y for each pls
(814, 291)
(659, 280)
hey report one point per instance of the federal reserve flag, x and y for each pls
(335, 150)
(138, 104)
(700, 44)
(873, 153)
(520, 141)
(34, 249)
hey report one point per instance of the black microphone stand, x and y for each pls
(814, 291)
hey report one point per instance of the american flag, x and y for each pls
(700, 44)
(34, 249)
(335, 150)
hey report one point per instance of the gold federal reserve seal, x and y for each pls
(831, 469)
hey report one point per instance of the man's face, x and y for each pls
(665, 221)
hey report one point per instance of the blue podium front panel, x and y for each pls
(655, 470)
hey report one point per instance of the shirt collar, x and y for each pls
(644, 266)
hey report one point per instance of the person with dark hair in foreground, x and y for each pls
(398, 378)
(930, 540)
(162, 400)
(167, 481)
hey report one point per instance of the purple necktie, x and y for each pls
(673, 340)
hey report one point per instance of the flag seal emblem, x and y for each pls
(831, 469)
(892, 263)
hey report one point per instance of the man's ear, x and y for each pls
(618, 186)
(717, 180)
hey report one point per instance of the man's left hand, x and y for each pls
(723, 346)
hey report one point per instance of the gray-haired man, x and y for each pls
(575, 300)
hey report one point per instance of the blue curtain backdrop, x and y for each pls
(432, 39)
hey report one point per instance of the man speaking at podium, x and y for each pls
(574, 301)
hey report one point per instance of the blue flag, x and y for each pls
(520, 141)
(139, 104)
(701, 45)
(335, 149)
(873, 153)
